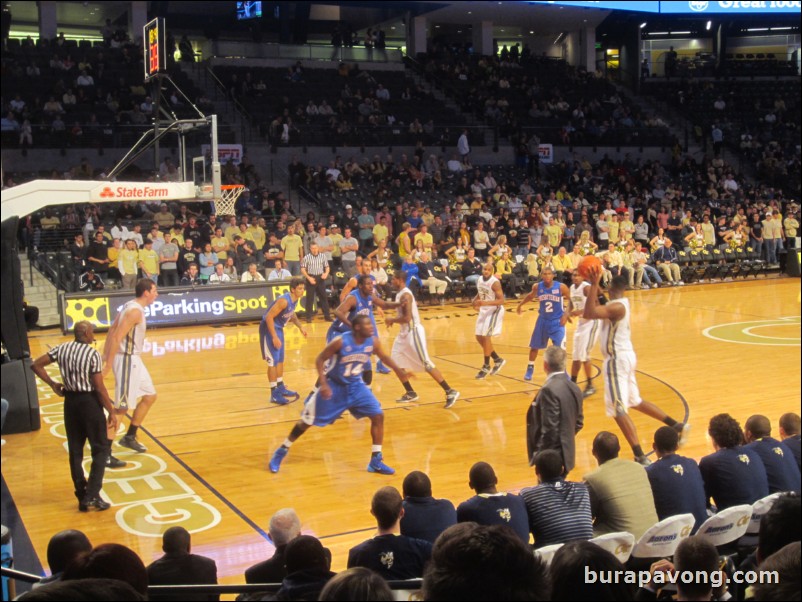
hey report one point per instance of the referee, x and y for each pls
(85, 397)
(315, 268)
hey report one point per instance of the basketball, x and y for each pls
(589, 263)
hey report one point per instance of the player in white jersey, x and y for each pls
(620, 387)
(122, 353)
(409, 348)
(489, 300)
(586, 333)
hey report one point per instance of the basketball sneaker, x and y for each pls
(377, 465)
(131, 443)
(285, 392)
(530, 370)
(112, 462)
(483, 373)
(497, 366)
(643, 460)
(277, 398)
(381, 368)
(683, 428)
(278, 456)
(407, 397)
(589, 390)
(452, 396)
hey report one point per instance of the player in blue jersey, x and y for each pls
(271, 335)
(342, 388)
(359, 302)
(551, 320)
(363, 269)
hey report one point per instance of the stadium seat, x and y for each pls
(661, 539)
(618, 544)
(727, 526)
(759, 508)
(546, 553)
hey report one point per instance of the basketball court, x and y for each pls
(732, 347)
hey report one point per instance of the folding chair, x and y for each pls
(546, 553)
(618, 544)
(661, 539)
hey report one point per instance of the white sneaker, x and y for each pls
(654, 285)
(645, 286)
(681, 283)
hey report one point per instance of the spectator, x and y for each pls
(207, 260)
(168, 258)
(292, 246)
(148, 261)
(426, 273)
(357, 583)
(481, 562)
(191, 277)
(785, 562)
(620, 494)
(782, 471)
(127, 264)
(219, 276)
(558, 510)
(179, 566)
(471, 268)
(186, 256)
(424, 516)
(667, 260)
(62, 550)
(284, 527)
(491, 507)
(308, 569)
(90, 282)
(677, 485)
(568, 574)
(252, 275)
(279, 272)
(230, 269)
(789, 432)
(390, 554)
(696, 556)
(733, 474)
(110, 561)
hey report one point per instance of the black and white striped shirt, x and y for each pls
(77, 362)
(314, 265)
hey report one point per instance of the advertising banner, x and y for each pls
(225, 152)
(176, 306)
(546, 152)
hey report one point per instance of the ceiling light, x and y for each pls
(680, 33)
(780, 28)
(657, 33)
(758, 29)
(642, 25)
(709, 25)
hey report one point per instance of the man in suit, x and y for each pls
(284, 527)
(555, 416)
(620, 493)
(179, 567)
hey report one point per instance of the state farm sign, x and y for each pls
(143, 191)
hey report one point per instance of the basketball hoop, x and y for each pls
(229, 193)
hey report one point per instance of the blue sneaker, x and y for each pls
(277, 398)
(529, 371)
(381, 368)
(278, 456)
(375, 465)
(285, 392)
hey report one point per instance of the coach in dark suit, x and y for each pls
(555, 416)
(179, 567)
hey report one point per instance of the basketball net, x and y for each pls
(229, 193)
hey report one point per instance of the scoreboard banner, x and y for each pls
(182, 306)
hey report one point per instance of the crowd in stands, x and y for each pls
(345, 105)
(759, 122)
(64, 93)
(568, 105)
(657, 224)
(481, 549)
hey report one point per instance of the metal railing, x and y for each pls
(177, 590)
(100, 136)
(301, 52)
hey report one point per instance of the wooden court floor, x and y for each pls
(701, 349)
